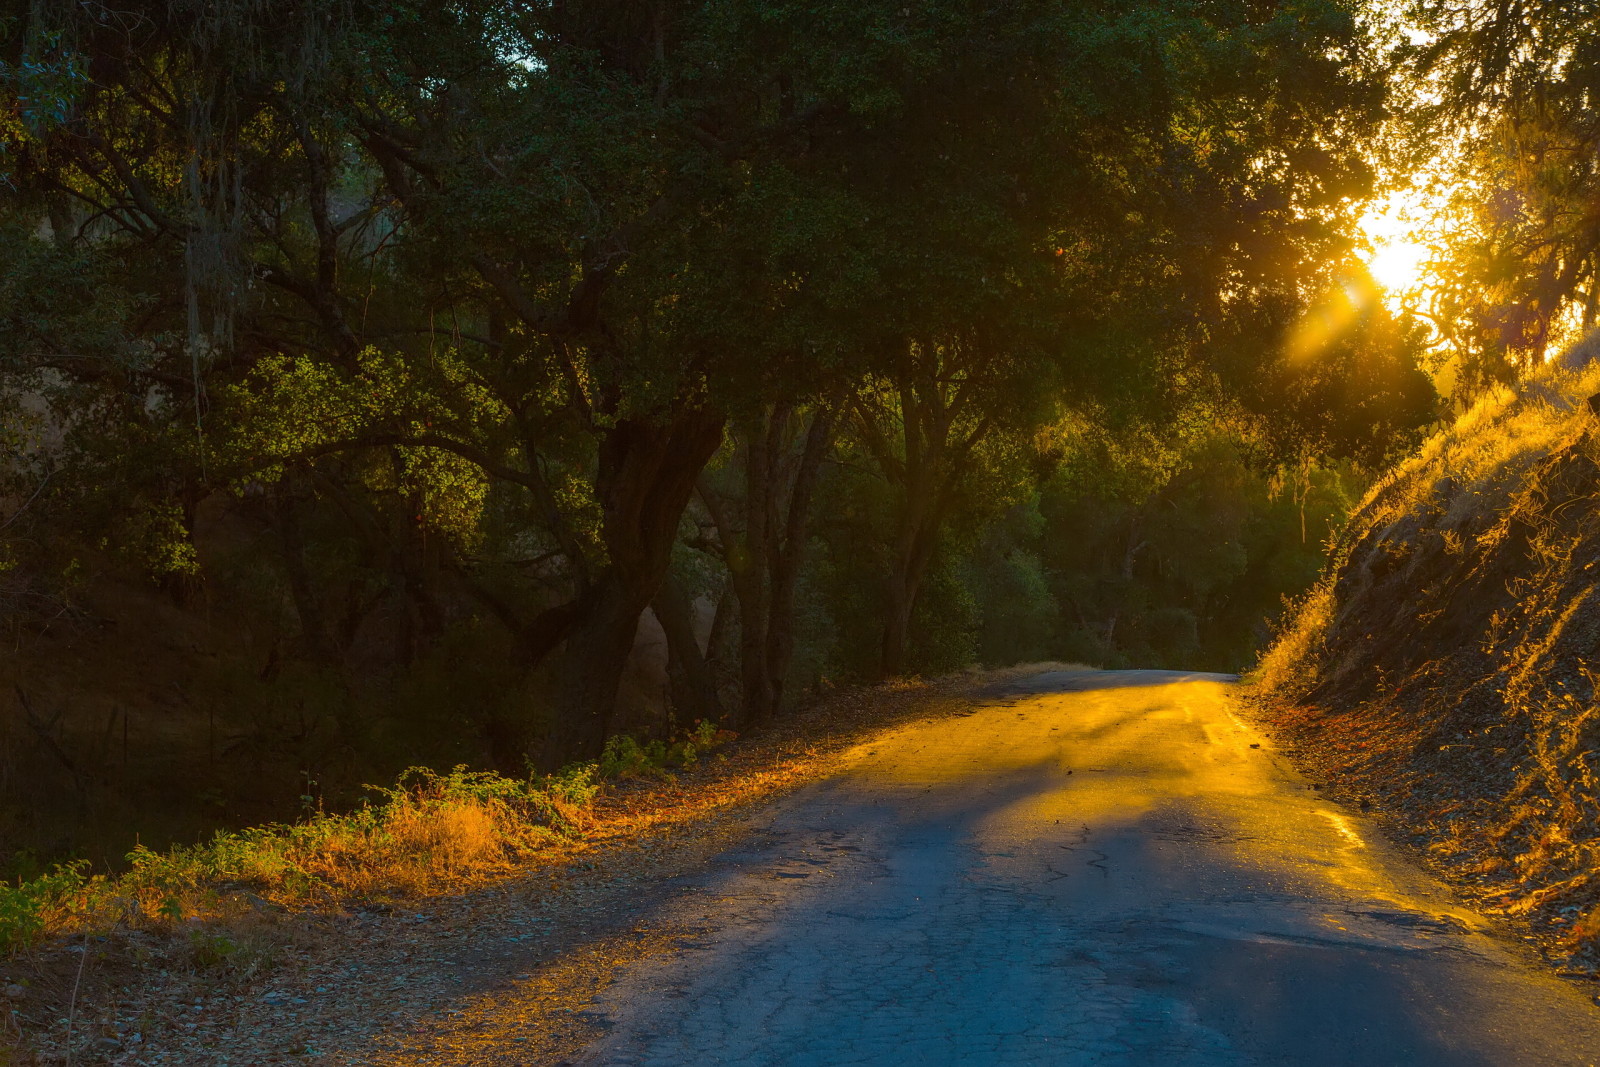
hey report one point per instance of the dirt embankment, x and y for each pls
(1447, 671)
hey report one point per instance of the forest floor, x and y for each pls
(408, 983)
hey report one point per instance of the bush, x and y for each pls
(625, 757)
(429, 831)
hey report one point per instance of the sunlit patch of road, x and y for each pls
(1091, 868)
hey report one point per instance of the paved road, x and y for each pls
(1099, 868)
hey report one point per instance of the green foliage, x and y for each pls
(1140, 547)
(61, 299)
(626, 757)
(1187, 563)
(377, 338)
(1510, 91)
(211, 950)
(1358, 391)
(945, 621)
(45, 82)
(293, 409)
(1020, 617)
(156, 540)
(541, 800)
(26, 906)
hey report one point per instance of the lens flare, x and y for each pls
(1329, 318)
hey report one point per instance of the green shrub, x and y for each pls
(625, 757)
(27, 907)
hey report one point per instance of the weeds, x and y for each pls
(27, 908)
(1287, 664)
(624, 757)
(427, 833)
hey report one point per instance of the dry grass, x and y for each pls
(1487, 453)
(429, 833)
(435, 834)
(1283, 667)
(630, 837)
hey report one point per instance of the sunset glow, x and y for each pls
(1396, 258)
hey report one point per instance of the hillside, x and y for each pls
(1445, 671)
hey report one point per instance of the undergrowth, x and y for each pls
(427, 833)
(624, 757)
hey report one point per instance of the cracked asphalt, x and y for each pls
(1092, 868)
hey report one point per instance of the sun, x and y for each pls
(1397, 261)
(1397, 265)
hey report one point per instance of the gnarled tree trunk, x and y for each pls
(694, 688)
(645, 473)
(913, 555)
(763, 540)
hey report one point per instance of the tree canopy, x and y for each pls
(491, 312)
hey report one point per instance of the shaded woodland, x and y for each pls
(394, 384)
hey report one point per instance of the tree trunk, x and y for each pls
(645, 474)
(896, 627)
(694, 689)
(763, 554)
(790, 553)
(747, 563)
(591, 669)
(727, 607)
(919, 536)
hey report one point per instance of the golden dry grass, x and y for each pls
(436, 851)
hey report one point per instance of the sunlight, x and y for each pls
(1329, 318)
(1397, 265)
(1395, 258)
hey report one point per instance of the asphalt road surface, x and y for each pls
(1097, 868)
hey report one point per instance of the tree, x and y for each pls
(938, 433)
(1510, 88)
(761, 539)
(450, 270)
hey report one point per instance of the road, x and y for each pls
(1095, 868)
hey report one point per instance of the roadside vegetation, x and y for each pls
(1445, 669)
(429, 830)
(427, 834)
(490, 389)
(433, 858)
(502, 388)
